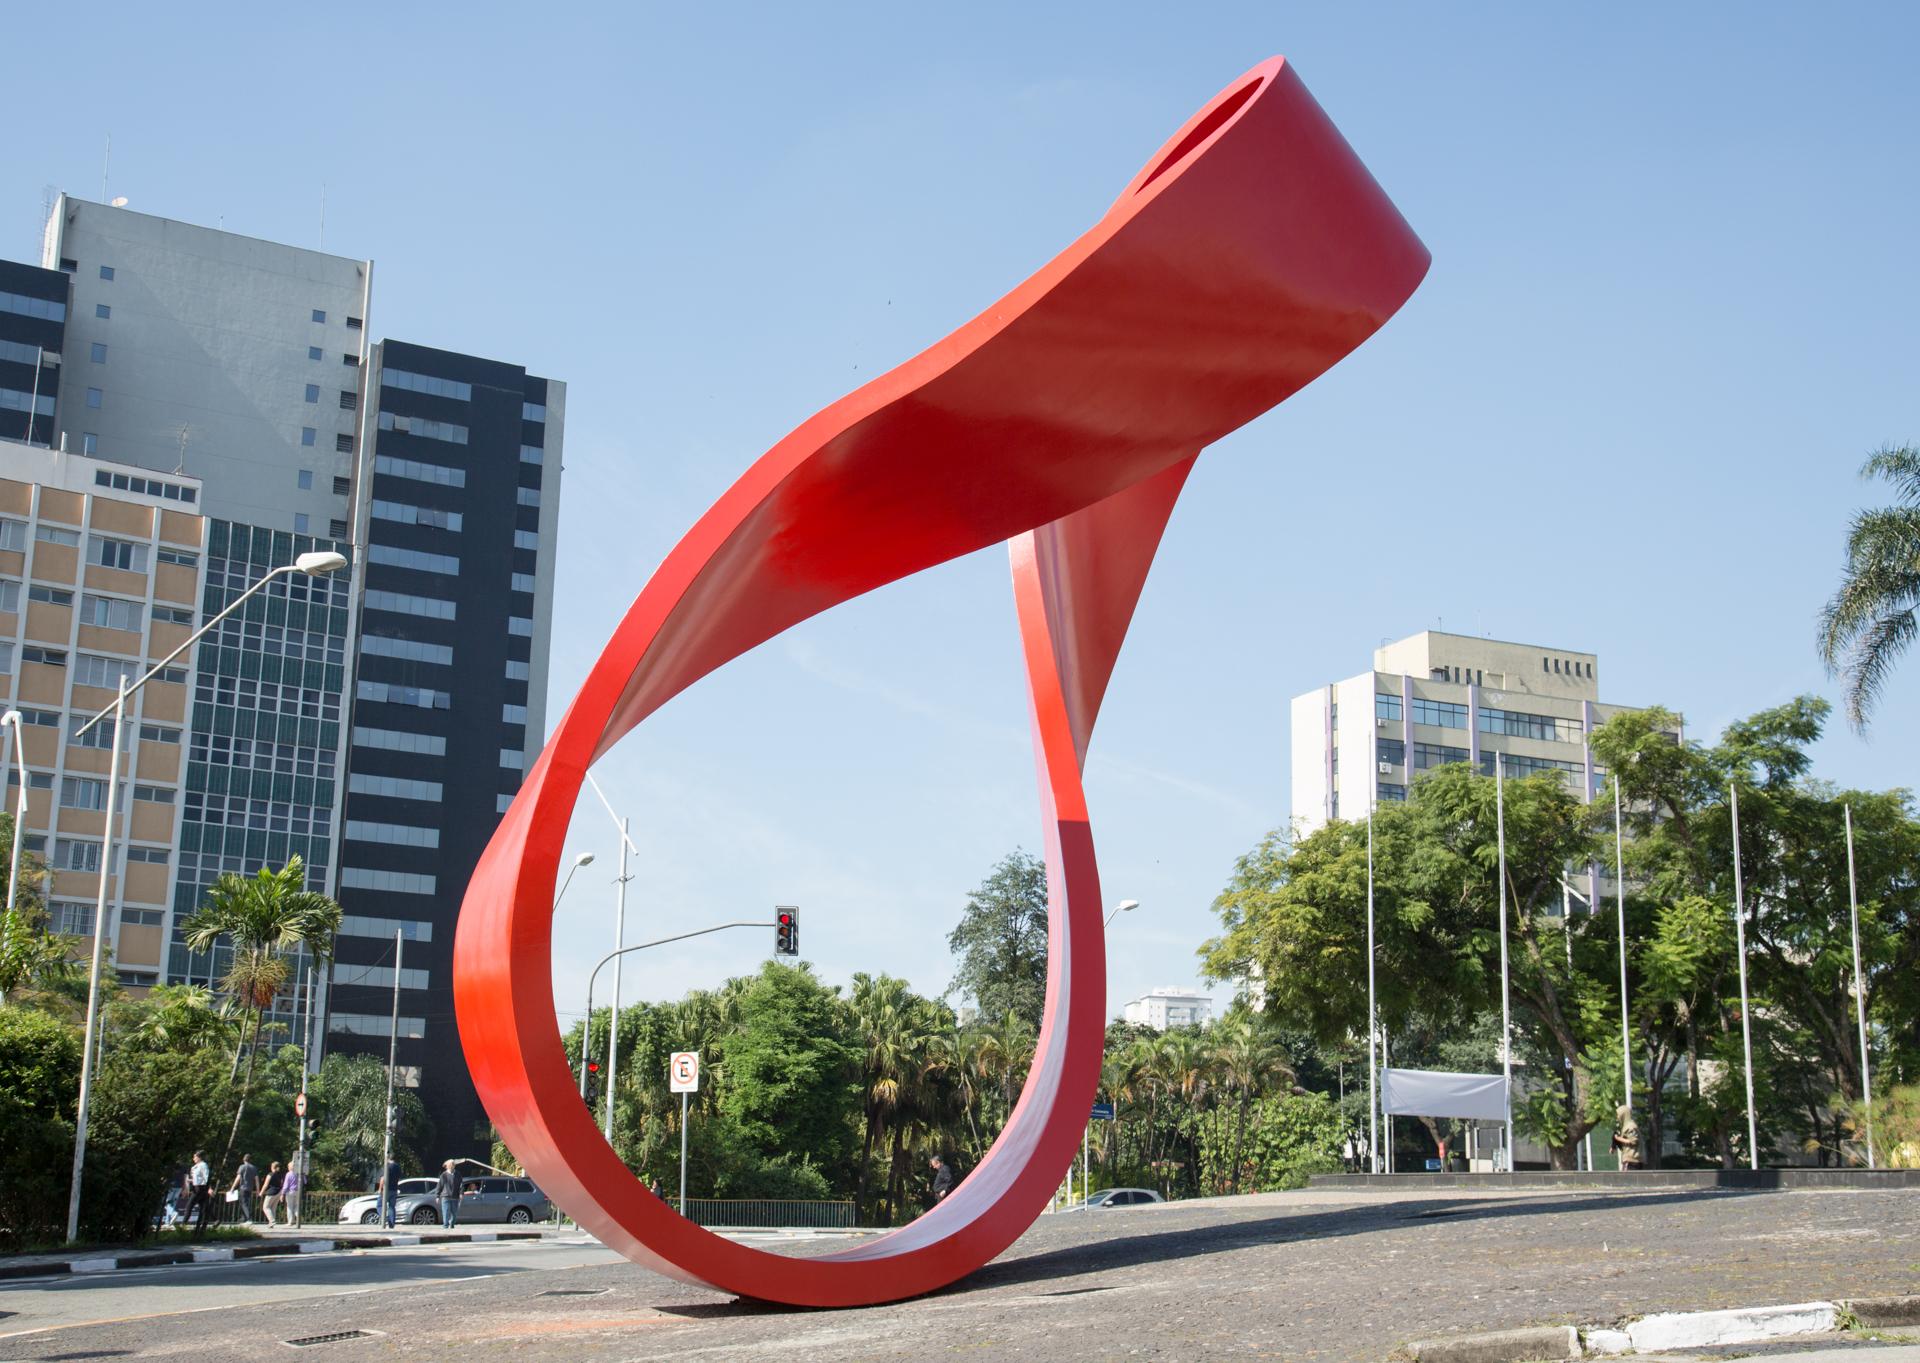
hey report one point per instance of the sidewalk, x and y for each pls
(282, 1240)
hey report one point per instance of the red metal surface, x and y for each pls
(1248, 257)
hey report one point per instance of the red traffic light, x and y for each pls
(786, 920)
(593, 1067)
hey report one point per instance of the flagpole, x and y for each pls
(1506, 1017)
(1740, 944)
(1373, 1031)
(1620, 908)
(1859, 988)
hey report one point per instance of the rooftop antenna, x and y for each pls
(106, 164)
(181, 467)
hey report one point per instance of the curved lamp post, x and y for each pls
(316, 564)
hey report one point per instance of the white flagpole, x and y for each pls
(1506, 1017)
(1373, 1031)
(1746, 1012)
(1859, 988)
(1620, 908)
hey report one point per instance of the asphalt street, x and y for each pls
(1310, 1276)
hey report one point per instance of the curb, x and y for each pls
(216, 1254)
(1669, 1330)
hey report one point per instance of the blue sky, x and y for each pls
(1671, 309)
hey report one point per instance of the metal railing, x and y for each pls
(749, 1213)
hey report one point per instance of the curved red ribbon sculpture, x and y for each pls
(1248, 257)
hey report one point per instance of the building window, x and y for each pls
(527, 496)
(13, 535)
(313, 392)
(110, 612)
(342, 486)
(351, 360)
(343, 444)
(89, 443)
(10, 598)
(1426, 756)
(393, 787)
(1391, 750)
(304, 479)
(50, 596)
(308, 435)
(413, 650)
(76, 854)
(313, 352)
(417, 559)
(533, 411)
(526, 539)
(93, 398)
(426, 383)
(1391, 791)
(398, 882)
(142, 918)
(153, 795)
(450, 431)
(172, 615)
(413, 930)
(503, 802)
(106, 272)
(150, 856)
(179, 557)
(513, 759)
(428, 607)
(1386, 707)
(319, 314)
(353, 324)
(159, 733)
(97, 352)
(532, 454)
(36, 780)
(523, 582)
(80, 792)
(299, 522)
(397, 740)
(407, 514)
(70, 918)
(391, 693)
(422, 473)
(337, 528)
(102, 311)
(376, 1024)
(1443, 713)
(513, 714)
(125, 555)
(520, 625)
(51, 657)
(95, 670)
(1547, 728)
(70, 266)
(99, 736)
(517, 670)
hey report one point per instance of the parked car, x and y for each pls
(513, 1200)
(1123, 1197)
(415, 1193)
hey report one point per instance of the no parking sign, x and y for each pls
(683, 1072)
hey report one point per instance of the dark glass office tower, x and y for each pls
(33, 325)
(456, 504)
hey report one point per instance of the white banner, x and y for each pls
(1437, 1093)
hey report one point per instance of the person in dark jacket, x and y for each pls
(448, 1193)
(942, 1178)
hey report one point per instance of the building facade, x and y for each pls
(1166, 1007)
(373, 722)
(100, 573)
(1435, 698)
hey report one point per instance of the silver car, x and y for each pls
(512, 1200)
(416, 1194)
(1123, 1197)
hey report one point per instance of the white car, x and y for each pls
(1123, 1197)
(365, 1210)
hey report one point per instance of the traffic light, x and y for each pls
(786, 932)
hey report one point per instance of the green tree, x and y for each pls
(265, 917)
(1002, 941)
(789, 1090)
(347, 1111)
(1871, 619)
(36, 965)
(39, 1087)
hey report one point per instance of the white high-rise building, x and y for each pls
(1167, 1007)
(1434, 698)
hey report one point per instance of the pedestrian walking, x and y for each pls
(290, 1192)
(942, 1178)
(390, 1191)
(246, 1182)
(174, 1211)
(448, 1191)
(199, 1181)
(272, 1189)
(1626, 1137)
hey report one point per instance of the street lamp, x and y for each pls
(619, 940)
(316, 564)
(584, 859)
(12, 718)
(1124, 906)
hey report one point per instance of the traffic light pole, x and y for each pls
(586, 1030)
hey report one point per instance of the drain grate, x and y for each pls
(575, 1292)
(307, 1340)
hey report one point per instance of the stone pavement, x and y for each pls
(1331, 1275)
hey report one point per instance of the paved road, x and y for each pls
(1306, 1276)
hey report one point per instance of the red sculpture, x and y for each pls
(1248, 257)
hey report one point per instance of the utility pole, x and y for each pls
(619, 940)
(306, 1055)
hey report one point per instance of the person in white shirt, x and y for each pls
(200, 1177)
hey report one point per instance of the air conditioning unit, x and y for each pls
(1385, 768)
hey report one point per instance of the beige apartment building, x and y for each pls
(1434, 698)
(100, 576)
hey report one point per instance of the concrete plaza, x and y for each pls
(1334, 1274)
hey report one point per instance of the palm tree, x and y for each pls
(265, 917)
(1248, 1058)
(1872, 618)
(185, 1017)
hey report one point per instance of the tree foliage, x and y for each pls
(1002, 942)
(1874, 615)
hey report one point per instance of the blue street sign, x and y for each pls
(1103, 1112)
